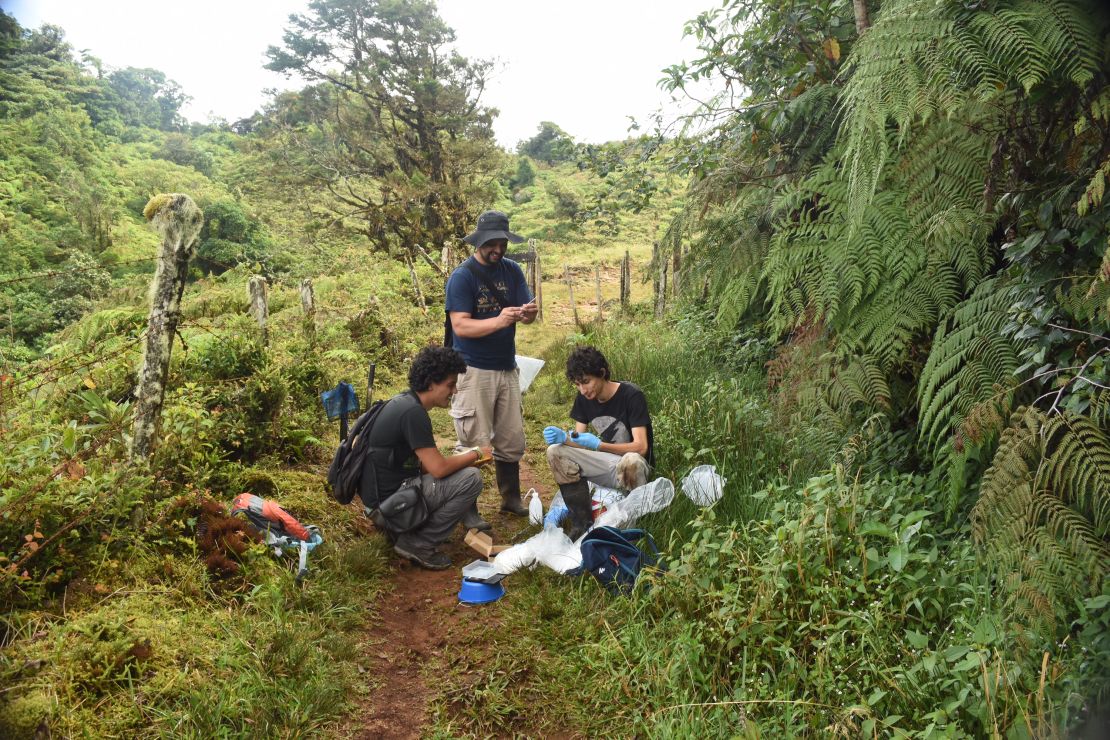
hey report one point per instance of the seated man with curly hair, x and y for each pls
(402, 447)
(618, 454)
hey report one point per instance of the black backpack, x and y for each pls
(345, 471)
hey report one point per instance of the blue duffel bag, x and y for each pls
(615, 557)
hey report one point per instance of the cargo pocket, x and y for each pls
(466, 425)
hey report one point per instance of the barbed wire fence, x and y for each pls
(34, 377)
(71, 369)
(73, 271)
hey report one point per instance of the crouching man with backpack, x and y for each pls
(403, 454)
(617, 454)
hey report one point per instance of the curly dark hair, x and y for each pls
(433, 365)
(585, 361)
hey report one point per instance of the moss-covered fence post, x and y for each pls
(597, 288)
(570, 292)
(178, 220)
(260, 305)
(659, 279)
(537, 277)
(308, 305)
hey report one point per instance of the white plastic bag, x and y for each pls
(515, 558)
(529, 368)
(602, 498)
(703, 486)
(551, 547)
(605, 496)
(555, 512)
(555, 550)
(647, 499)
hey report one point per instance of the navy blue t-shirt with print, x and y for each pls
(614, 420)
(467, 294)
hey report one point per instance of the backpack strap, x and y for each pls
(641, 537)
(370, 450)
(501, 298)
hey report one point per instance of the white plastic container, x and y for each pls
(479, 570)
(535, 508)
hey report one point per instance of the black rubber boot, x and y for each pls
(508, 483)
(577, 498)
(473, 520)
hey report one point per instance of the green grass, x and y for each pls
(586, 244)
(155, 646)
(802, 604)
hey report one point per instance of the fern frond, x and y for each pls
(921, 61)
(1042, 514)
(970, 363)
(1078, 466)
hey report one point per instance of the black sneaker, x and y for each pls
(430, 559)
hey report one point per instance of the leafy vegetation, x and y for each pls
(893, 257)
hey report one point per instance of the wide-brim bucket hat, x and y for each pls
(492, 225)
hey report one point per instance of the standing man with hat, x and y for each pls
(487, 296)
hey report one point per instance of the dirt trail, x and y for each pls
(421, 630)
(421, 627)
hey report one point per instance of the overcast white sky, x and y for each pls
(585, 64)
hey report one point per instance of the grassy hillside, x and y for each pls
(848, 583)
(133, 602)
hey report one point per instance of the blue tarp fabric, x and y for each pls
(339, 400)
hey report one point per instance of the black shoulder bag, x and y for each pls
(403, 510)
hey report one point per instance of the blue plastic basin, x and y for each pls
(473, 592)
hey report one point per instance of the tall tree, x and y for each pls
(406, 149)
(146, 97)
(550, 144)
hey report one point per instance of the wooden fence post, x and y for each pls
(446, 257)
(537, 277)
(178, 220)
(308, 305)
(597, 286)
(259, 305)
(370, 384)
(659, 279)
(570, 292)
(626, 280)
(676, 265)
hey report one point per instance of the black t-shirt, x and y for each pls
(401, 427)
(614, 420)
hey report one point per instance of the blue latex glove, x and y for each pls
(585, 439)
(554, 435)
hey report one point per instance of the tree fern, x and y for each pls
(923, 59)
(1043, 515)
(970, 364)
(1093, 128)
(840, 401)
(729, 248)
(887, 280)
